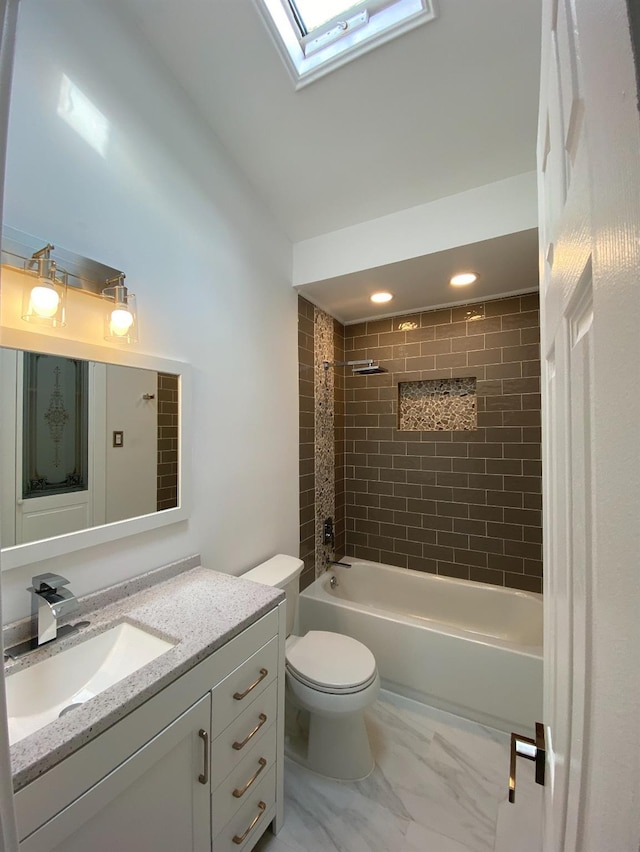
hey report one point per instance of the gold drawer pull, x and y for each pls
(239, 838)
(263, 718)
(240, 695)
(239, 793)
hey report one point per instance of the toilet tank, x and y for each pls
(281, 572)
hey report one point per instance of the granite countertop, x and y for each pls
(196, 607)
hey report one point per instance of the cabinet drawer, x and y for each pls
(237, 787)
(224, 757)
(243, 686)
(251, 820)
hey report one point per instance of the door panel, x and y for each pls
(589, 211)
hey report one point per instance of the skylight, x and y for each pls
(314, 13)
(318, 36)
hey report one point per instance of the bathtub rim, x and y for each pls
(317, 590)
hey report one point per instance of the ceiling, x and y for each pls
(446, 107)
(506, 265)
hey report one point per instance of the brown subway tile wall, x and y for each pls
(168, 420)
(461, 504)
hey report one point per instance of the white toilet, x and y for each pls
(333, 677)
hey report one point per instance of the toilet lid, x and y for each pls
(331, 660)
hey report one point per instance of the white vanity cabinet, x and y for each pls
(153, 802)
(197, 768)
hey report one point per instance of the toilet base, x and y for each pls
(339, 748)
(334, 746)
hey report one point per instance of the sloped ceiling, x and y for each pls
(448, 107)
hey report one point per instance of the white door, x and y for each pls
(40, 517)
(589, 196)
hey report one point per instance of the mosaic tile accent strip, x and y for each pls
(306, 386)
(438, 405)
(325, 455)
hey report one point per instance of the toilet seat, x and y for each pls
(331, 662)
(330, 690)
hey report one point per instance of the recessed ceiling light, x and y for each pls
(382, 297)
(463, 278)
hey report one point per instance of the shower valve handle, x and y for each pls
(328, 536)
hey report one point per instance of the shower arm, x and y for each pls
(366, 362)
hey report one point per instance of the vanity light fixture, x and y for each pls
(120, 321)
(463, 279)
(380, 298)
(44, 302)
(44, 293)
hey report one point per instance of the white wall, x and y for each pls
(504, 207)
(211, 272)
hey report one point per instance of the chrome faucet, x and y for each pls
(333, 562)
(49, 601)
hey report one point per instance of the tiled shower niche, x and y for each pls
(438, 405)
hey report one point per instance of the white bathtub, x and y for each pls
(469, 648)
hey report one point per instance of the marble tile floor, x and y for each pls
(440, 785)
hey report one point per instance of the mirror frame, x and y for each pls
(37, 551)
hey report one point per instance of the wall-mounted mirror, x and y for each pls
(92, 434)
(94, 444)
(91, 451)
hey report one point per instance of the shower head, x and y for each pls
(368, 370)
(360, 368)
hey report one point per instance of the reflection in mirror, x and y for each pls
(90, 444)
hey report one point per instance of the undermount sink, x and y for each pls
(41, 693)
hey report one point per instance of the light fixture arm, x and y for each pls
(44, 252)
(42, 258)
(120, 292)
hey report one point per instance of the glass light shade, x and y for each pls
(44, 295)
(45, 300)
(120, 319)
